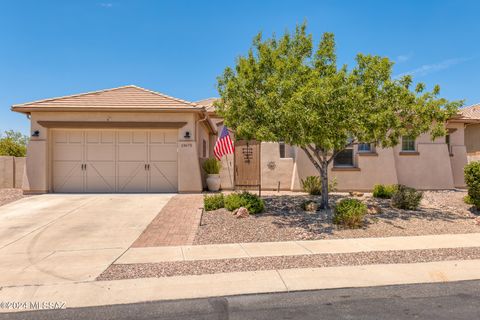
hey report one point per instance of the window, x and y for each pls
(408, 143)
(281, 146)
(204, 148)
(344, 158)
(364, 147)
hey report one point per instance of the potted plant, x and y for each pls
(212, 168)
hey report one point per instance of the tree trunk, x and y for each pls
(324, 179)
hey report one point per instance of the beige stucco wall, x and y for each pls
(11, 171)
(472, 138)
(276, 171)
(38, 171)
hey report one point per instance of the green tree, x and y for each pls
(284, 90)
(13, 143)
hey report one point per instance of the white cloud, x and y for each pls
(106, 4)
(431, 68)
(404, 57)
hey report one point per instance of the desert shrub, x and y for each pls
(312, 185)
(406, 198)
(212, 166)
(252, 202)
(468, 200)
(384, 191)
(349, 213)
(213, 202)
(472, 179)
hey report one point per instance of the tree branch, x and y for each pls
(312, 159)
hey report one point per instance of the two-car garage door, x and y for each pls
(114, 160)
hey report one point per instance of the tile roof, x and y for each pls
(126, 97)
(207, 103)
(471, 112)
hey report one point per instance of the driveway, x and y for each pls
(62, 238)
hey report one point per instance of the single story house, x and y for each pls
(130, 139)
(471, 117)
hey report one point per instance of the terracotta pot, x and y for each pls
(213, 182)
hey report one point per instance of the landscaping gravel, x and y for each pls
(8, 195)
(441, 212)
(169, 269)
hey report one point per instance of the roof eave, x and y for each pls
(27, 110)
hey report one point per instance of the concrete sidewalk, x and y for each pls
(97, 293)
(291, 248)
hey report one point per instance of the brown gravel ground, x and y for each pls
(440, 212)
(169, 269)
(8, 195)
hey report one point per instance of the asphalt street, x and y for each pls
(453, 300)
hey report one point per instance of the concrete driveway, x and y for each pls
(62, 238)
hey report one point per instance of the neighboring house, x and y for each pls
(130, 139)
(125, 139)
(471, 117)
(420, 163)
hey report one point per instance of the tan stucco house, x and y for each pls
(125, 139)
(471, 117)
(130, 139)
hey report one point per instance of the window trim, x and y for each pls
(346, 165)
(414, 150)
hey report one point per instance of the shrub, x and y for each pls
(406, 198)
(350, 213)
(213, 202)
(384, 191)
(468, 200)
(472, 179)
(212, 166)
(309, 205)
(312, 185)
(252, 202)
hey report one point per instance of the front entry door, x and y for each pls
(247, 164)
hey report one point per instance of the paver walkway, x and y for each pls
(176, 224)
(292, 248)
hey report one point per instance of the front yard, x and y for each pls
(8, 195)
(441, 212)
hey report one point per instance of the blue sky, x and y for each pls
(54, 48)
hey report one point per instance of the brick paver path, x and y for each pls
(176, 224)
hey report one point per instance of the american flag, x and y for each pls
(224, 144)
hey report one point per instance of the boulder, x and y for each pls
(374, 209)
(242, 213)
(356, 194)
(310, 206)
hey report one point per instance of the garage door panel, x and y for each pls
(116, 161)
(67, 176)
(163, 176)
(100, 177)
(164, 152)
(132, 177)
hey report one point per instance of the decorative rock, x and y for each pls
(374, 209)
(242, 213)
(356, 194)
(234, 212)
(311, 206)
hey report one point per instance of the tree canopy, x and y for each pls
(283, 89)
(13, 143)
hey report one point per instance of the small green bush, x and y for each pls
(350, 213)
(472, 179)
(468, 200)
(213, 202)
(252, 202)
(406, 198)
(212, 166)
(384, 191)
(312, 185)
